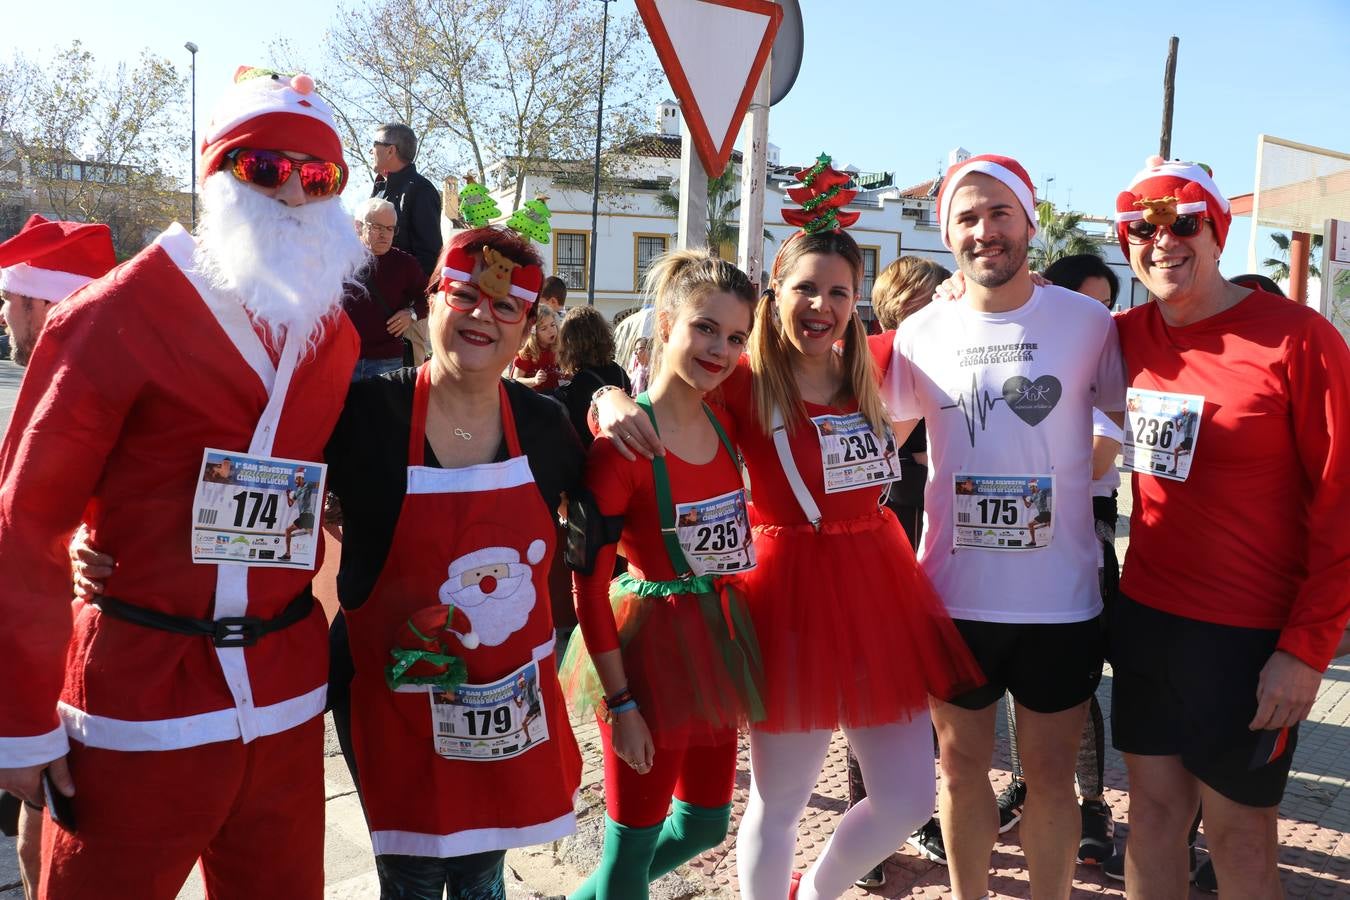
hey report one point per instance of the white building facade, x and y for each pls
(633, 228)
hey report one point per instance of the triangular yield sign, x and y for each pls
(713, 52)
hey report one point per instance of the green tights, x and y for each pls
(635, 857)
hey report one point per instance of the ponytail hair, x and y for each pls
(771, 353)
(676, 277)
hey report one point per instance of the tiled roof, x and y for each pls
(924, 190)
(661, 146)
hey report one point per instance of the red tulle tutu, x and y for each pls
(850, 629)
(692, 662)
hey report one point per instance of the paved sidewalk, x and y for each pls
(1314, 818)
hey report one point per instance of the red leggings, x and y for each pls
(253, 814)
(702, 775)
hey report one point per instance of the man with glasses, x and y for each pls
(1236, 588)
(391, 297)
(416, 199)
(179, 717)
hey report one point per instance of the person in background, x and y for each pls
(1258, 283)
(414, 197)
(639, 367)
(390, 295)
(536, 365)
(586, 356)
(554, 294)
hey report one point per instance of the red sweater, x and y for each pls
(1256, 536)
(624, 488)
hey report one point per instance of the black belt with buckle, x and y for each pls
(235, 631)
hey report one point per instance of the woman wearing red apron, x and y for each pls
(459, 733)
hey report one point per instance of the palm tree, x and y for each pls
(1278, 266)
(1058, 236)
(722, 203)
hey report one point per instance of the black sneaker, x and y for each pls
(1095, 846)
(928, 841)
(874, 878)
(1114, 867)
(1010, 802)
(1204, 877)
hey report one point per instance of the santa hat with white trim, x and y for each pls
(1164, 190)
(1004, 169)
(51, 260)
(266, 110)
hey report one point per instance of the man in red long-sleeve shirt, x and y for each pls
(1236, 588)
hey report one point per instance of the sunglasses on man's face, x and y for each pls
(269, 169)
(1187, 226)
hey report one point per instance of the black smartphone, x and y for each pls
(62, 808)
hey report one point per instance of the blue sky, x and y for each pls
(1073, 90)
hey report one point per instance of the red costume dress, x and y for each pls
(134, 376)
(492, 763)
(851, 631)
(688, 645)
(546, 363)
(1267, 484)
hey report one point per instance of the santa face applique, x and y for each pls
(494, 589)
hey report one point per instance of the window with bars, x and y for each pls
(869, 261)
(649, 247)
(569, 257)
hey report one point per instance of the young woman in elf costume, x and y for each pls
(853, 636)
(670, 661)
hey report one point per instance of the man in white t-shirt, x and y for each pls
(1006, 379)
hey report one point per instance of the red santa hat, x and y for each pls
(51, 260)
(265, 110)
(1004, 169)
(1164, 190)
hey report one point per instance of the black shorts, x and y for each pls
(1182, 687)
(1048, 668)
(1041, 518)
(305, 521)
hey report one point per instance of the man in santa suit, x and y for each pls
(182, 715)
(40, 266)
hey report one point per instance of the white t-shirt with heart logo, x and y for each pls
(1007, 399)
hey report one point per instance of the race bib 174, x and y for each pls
(257, 510)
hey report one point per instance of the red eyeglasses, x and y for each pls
(269, 169)
(466, 296)
(1187, 226)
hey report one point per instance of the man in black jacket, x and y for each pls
(416, 199)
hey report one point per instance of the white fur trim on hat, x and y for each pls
(254, 97)
(1021, 190)
(42, 284)
(1187, 171)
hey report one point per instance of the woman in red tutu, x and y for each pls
(853, 635)
(670, 662)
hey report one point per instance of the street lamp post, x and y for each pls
(192, 150)
(595, 182)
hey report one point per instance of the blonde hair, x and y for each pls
(905, 287)
(675, 278)
(774, 385)
(544, 314)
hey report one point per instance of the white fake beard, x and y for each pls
(288, 265)
(497, 616)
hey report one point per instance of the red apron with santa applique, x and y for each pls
(491, 764)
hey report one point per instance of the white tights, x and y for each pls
(897, 766)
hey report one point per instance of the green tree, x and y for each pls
(482, 80)
(723, 201)
(1278, 266)
(1058, 235)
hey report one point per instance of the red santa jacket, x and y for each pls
(134, 376)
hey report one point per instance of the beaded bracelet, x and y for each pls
(600, 391)
(618, 697)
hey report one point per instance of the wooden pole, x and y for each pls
(1169, 91)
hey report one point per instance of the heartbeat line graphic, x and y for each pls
(972, 405)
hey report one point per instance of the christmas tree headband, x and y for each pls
(495, 274)
(822, 196)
